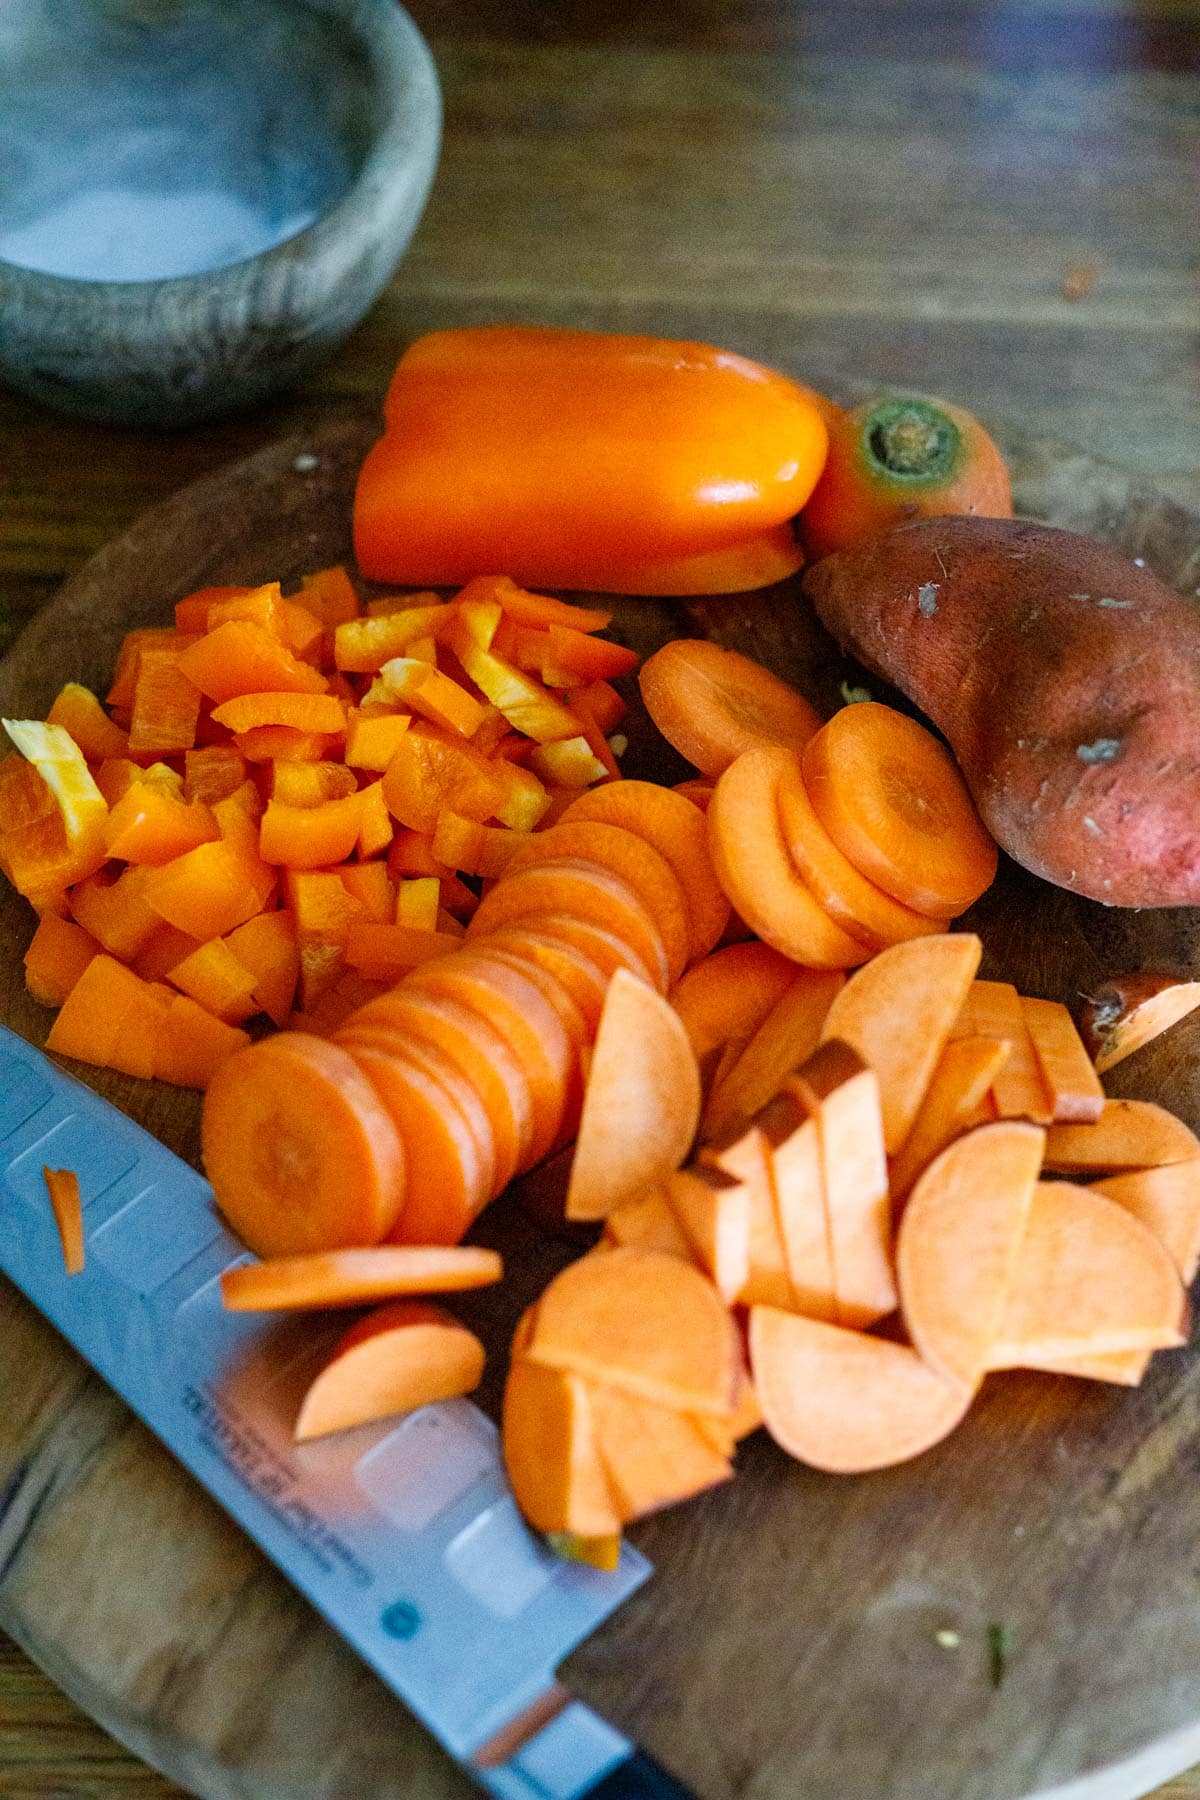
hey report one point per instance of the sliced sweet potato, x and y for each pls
(801, 1216)
(714, 1211)
(747, 1157)
(1129, 1011)
(1129, 1134)
(962, 1079)
(1167, 1201)
(648, 1224)
(653, 1455)
(399, 1357)
(644, 1322)
(1124, 1368)
(993, 1009)
(641, 1104)
(787, 1037)
(843, 1401)
(842, 1095)
(960, 1245)
(898, 1013)
(550, 1450)
(1090, 1280)
(1073, 1084)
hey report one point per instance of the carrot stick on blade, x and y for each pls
(337, 1278)
(641, 1104)
(62, 1185)
(401, 1356)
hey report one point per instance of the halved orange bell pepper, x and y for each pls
(566, 457)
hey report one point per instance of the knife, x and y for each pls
(403, 1535)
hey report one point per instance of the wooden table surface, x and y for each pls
(997, 202)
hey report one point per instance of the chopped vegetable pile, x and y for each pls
(839, 1178)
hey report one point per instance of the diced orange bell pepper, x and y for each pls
(192, 1044)
(282, 743)
(370, 883)
(364, 645)
(321, 714)
(371, 743)
(418, 902)
(267, 946)
(79, 712)
(432, 769)
(120, 694)
(529, 707)
(148, 825)
(166, 704)
(218, 981)
(330, 595)
(436, 697)
(116, 913)
(571, 763)
(58, 953)
(241, 657)
(311, 783)
(376, 826)
(25, 796)
(556, 455)
(387, 952)
(310, 837)
(116, 775)
(212, 773)
(206, 892)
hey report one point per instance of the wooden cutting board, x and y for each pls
(803, 1636)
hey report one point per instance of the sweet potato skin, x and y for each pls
(1066, 680)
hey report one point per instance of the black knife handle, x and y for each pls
(639, 1777)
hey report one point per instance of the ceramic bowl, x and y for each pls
(199, 199)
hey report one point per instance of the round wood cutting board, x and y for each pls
(803, 1638)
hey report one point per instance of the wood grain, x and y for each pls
(783, 1609)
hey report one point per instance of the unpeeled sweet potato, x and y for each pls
(1066, 679)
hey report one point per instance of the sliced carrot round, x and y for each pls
(674, 826)
(353, 1277)
(852, 901)
(603, 948)
(475, 1048)
(301, 1152)
(635, 861)
(559, 997)
(579, 974)
(447, 1165)
(891, 797)
(713, 704)
(511, 1002)
(730, 993)
(585, 891)
(753, 865)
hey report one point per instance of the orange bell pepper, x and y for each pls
(569, 457)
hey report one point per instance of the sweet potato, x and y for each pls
(1130, 1010)
(1066, 679)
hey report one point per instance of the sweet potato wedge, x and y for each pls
(1090, 1280)
(898, 1013)
(960, 1245)
(843, 1401)
(1129, 1134)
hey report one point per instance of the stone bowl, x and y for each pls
(199, 199)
